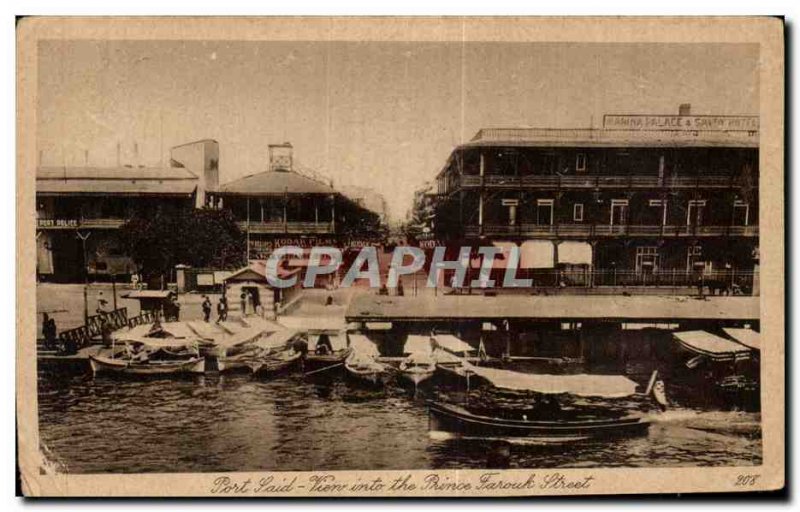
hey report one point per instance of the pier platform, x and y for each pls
(572, 308)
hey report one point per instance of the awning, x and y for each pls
(711, 346)
(416, 344)
(363, 345)
(536, 254)
(606, 386)
(452, 344)
(278, 339)
(338, 341)
(575, 253)
(747, 337)
(501, 259)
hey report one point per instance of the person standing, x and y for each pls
(222, 309)
(49, 332)
(243, 302)
(206, 308)
(105, 332)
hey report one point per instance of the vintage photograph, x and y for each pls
(279, 255)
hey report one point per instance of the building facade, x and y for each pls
(79, 210)
(644, 200)
(281, 207)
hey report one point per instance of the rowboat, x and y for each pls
(458, 420)
(274, 363)
(417, 368)
(364, 369)
(101, 364)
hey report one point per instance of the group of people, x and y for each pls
(222, 309)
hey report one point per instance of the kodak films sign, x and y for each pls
(680, 123)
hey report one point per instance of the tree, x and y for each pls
(196, 237)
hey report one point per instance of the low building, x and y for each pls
(645, 200)
(79, 210)
(281, 207)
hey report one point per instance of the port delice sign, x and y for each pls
(682, 123)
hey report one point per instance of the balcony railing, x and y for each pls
(592, 181)
(104, 223)
(300, 228)
(607, 230)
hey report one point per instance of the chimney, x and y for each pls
(685, 109)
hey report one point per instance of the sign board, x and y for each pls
(510, 202)
(643, 122)
(57, 223)
(205, 279)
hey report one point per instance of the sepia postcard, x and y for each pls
(400, 257)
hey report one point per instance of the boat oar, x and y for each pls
(324, 369)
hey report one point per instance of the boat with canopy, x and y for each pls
(362, 365)
(747, 337)
(151, 349)
(713, 347)
(419, 364)
(551, 408)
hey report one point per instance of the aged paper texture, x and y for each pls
(411, 257)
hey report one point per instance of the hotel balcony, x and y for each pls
(582, 231)
(295, 228)
(588, 182)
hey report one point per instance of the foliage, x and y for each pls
(196, 237)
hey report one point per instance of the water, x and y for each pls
(238, 423)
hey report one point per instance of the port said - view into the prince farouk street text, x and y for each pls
(302, 256)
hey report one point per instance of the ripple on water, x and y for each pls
(235, 422)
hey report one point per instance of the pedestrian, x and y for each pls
(102, 303)
(400, 291)
(206, 308)
(176, 308)
(49, 332)
(222, 309)
(105, 332)
(243, 302)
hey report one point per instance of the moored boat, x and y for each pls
(417, 368)
(119, 366)
(455, 419)
(549, 407)
(364, 369)
(274, 363)
(327, 351)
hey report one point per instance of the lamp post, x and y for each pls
(85, 276)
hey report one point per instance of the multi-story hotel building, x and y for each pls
(644, 200)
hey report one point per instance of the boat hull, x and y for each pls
(370, 377)
(315, 362)
(105, 365)
(457, 420)
(275, 364)
(416, 377)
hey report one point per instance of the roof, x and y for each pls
(596, 137)
(257, 271)
(275, 183)
(373, 308)
(710, 345)
(115, 180)
(747, 337)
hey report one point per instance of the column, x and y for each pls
(481, 198)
